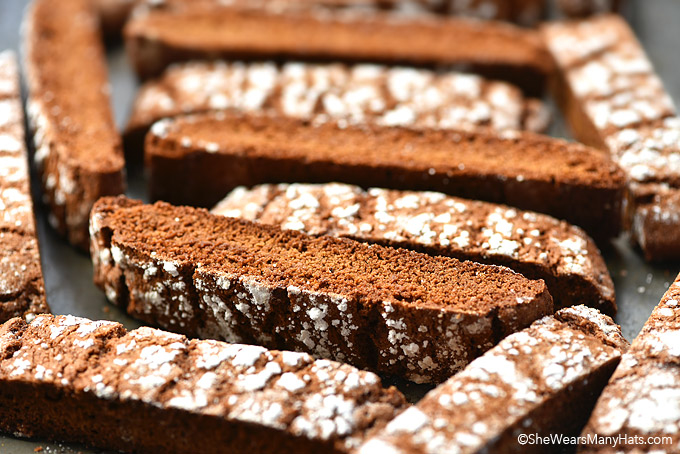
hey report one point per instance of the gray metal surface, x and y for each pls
(68, 274)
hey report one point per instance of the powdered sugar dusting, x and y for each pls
(621, 94)
(21, 282)
(643, 396)
(325, 321)
(497, 391)
(425, 218)
(318, 400)
(348, 94)
(615, 85)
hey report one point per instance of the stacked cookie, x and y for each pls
(383, 212)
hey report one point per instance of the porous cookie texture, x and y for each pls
(197, 159)
(351, 94)
(78, 150)
(152, 391)
(643, 396)
(614, 100)
(22, 290)
(161, 33)
(542, 380)
(389, 310)
(536, 245)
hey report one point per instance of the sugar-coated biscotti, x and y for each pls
(159, 34)
(71, 379)
(642, 399)
(78, 150)
(543, 380)
(613, 100)
(196, 160)
(375, 307)
(114, 13)
(524, 12)
(536, 245)
(22, 289)
(353, 94)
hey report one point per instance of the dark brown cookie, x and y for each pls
(352, 94)
(179, 30)
(22, 290)
(613, 100)
(196, 160)
(71, 379)
(375, 307)
(536, 245)
(78, 150)
(541, 381)
(641, 403)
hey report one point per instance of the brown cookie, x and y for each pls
(22, 289)
(196, 160)
(371, 306)
(71, 379)
(78, 150)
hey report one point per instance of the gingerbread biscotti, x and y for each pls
(642, 399)
(536, 245)
(159, 34)
(196, 160)
(580, 8)
(375, 307)
(543, 380)
(524, 12)
(353, 94)
(656, 216)
(113, 14)
(156, 392)
(22, 289)
(78, 150)
(613, 100)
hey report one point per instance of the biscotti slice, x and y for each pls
(641, 403)
(541, 381)
(22, 289)
(78, 150)
(113, 14)
(536, 245)
(580, 8)
(375, 307)
(156, 392)
(613, 100)
(196, 160)
(523, 12)
(352, 94)
(179, 30)
(657, 214)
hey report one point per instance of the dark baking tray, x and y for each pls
(68, 274)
